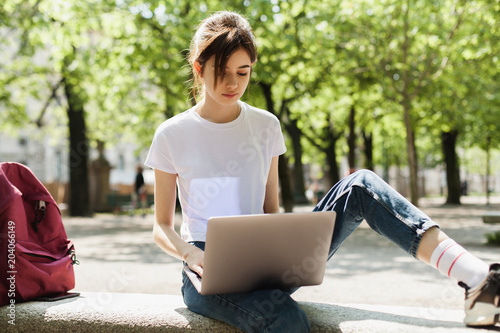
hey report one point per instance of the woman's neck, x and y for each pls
(217, 113)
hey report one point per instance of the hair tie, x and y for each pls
(197, 67)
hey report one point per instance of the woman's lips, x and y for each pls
(229, 95)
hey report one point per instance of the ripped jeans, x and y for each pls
(359, 196)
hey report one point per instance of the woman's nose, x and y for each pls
(231, 82)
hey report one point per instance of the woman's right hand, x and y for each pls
(194, 260)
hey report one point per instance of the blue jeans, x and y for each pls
(360, 196)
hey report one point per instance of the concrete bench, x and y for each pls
(114, 312)
(491, 217)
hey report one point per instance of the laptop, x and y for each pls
(264, 251)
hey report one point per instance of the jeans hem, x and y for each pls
(419, 235)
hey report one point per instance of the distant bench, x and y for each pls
(123, 202)
(491, 217)
(122, 312)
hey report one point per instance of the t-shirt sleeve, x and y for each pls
(279, 142)
(159, 155)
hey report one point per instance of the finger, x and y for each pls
(199, 270)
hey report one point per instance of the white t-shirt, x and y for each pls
(222, 168)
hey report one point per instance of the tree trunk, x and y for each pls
(385, 163)
(286, 188)
(284, 177)
(299, 188)
(406, 103)
(488, 170)
(368, 141)
(412, 152)
(333, 169)
(449, 141)
(79, 202)
(331, 156)
(351, 140)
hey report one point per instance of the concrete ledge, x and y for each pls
(113, 312)
(491, 217)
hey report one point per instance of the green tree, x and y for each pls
(53, 60)
(463, 95)
(34, 25)
(297, 59)
(410, 40)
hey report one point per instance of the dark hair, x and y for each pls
(219, 35)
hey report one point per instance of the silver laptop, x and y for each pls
(250, 252)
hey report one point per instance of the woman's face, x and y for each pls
(233, 83)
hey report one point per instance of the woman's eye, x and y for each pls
(242, 74)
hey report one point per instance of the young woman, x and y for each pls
(222, 156)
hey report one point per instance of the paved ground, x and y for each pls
(117, 254)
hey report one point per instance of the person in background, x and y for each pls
(139, 194)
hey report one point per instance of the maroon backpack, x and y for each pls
(36, 256)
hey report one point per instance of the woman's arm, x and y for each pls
(271, 200)
(163, 231)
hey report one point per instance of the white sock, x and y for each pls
(454, 261)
